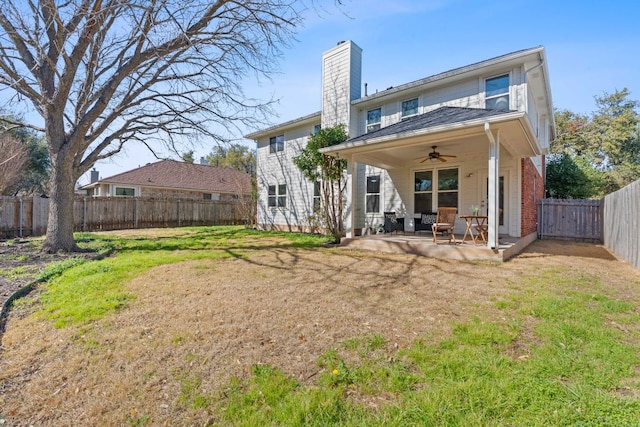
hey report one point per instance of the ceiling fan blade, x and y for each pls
(442, 159)
(447, 155)
(424, 160)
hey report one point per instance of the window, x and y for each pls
(423, 195)
(410, 107)
(373, 119)
(272, 196)
(316, 129)
(277, 196)
(125, 191)
(282, 195)
(497, 93)
(276, 143)
(373, 194)
(316, 196)
(206, 196)
(435, 188)
(448, 188)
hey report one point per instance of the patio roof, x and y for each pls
(394, 145)
(439, 117)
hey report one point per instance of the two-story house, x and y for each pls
(473, 136)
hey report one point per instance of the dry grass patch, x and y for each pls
(195, 325)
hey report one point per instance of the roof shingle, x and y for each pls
(438, 117)
(184, 176)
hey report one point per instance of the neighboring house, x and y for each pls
(491, 122)
(170, 179)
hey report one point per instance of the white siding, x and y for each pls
(278, 168)
(462, 94)
(467, 93)
(517, 90)
(341, 68)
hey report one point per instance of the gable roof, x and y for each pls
(536, 53)
(183, 176)
(438, 117)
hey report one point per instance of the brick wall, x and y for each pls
(532, 192)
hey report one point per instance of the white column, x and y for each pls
(352, 191)
(493, 188)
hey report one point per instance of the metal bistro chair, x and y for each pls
(445, 223)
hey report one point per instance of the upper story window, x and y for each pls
(409, 107)
(276, 143)
(496, 93)
(316, 129)
(373, 119)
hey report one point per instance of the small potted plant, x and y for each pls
(475, 209)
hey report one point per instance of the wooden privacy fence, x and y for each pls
(622, 223)
(571, 219)
(23, 216)
(28, 216)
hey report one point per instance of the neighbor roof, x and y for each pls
(183, 176)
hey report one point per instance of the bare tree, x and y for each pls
(14, 156)
(101, 73)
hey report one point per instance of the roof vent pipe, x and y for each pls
(365, 89)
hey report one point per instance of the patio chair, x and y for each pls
(393, 223)
(445, 223)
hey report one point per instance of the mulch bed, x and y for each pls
(21, 260)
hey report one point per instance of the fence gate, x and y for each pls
(571, 219)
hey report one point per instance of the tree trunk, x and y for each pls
(60, 221)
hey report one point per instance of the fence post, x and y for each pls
(542, 218)
(21, 217)
(135, 214)
(179, 223)
(84, 214)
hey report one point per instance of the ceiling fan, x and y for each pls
(434, 155)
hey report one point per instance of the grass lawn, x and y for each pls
(227, 326)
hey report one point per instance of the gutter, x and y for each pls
(291, 123)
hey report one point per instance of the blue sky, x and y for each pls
(592, 47)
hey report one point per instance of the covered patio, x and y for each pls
(484, 150)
